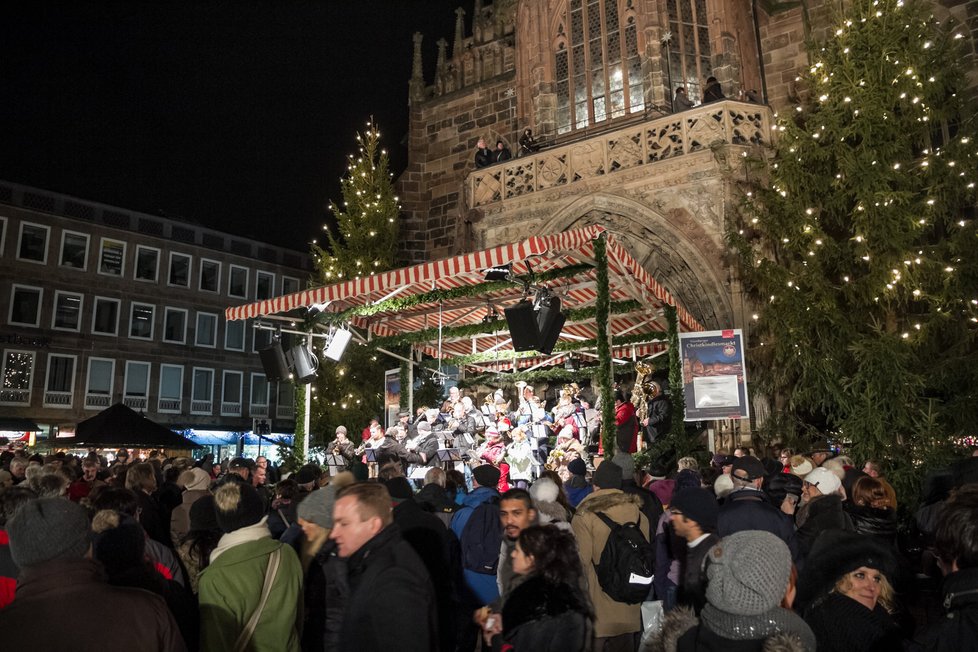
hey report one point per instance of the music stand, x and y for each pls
(449, 457)
(580, 420)
(370, 455)
(488, 422)
(335, 464)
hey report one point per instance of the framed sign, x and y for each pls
(714, 375)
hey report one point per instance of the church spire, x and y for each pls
(459, 33)
(416, 85)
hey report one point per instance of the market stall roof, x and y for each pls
(430, 299)
(18, 424)
(119, 425)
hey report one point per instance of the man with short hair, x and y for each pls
(391, 604)
(516, 513)
(433, 498)
(18, 469)
(239, 469)
(748, 508)
(62, 596)
(694, 518)
(83, 486)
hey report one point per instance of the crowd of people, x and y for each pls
(402, 550)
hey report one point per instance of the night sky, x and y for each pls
(235, 115)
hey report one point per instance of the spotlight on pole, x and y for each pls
(337, 344)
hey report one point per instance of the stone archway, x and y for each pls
(675, 249)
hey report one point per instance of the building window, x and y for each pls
(285, 409)
(688, 55)
(259, 396)
(105, 316)
(238, 282)
(179, 270)
(136, 387)
(141, 318)
(33, 245)
(202, 394)
(597, 68)
(175, 325)
(101, 377)
(147, 264)
(206, 330)
(67, 311)
(231, 394)
(264, 286)
(289, 285)
(112, 257)
(60, 381)
(234, 335)
(210, 276)
(262, 339)
(171, 389)
(25, 306)
(17, 373)
(74, 250)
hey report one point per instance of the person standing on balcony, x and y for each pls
(483, 155)
(681, 101)
(502, 152)
(712, 92)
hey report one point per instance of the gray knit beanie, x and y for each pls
(747, 573)
(317, 507)
(627, 464)
(46, 529)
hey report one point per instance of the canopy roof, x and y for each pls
(562, 262)
(119, 425)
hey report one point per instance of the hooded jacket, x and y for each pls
(682, 632)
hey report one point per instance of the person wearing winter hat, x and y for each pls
(617, 624)
(315, 518)
(195, 483)
(845, 595)
(747, 579)
(651, 505)
(550, 512)
(820, 509)
(748, 508)
(694, 518)
(231, 587)
(62, 593)
(195, 548)
(800, 465)
(577, 486)
(481, 587)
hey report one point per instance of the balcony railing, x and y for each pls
(660, 139)
(97, 401)
(15, 396)
(284, 411)
(230, 409)
(201, 407)
(56, 399)
(257, 411)
(137, 403)
(170, 405)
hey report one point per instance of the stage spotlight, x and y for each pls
(337, 344)
(303, 363)
(499, 273)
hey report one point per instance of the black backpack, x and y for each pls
(481, 538)
(627, 562)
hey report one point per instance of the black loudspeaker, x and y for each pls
(522, 324)
(273, 362)
(548, 337)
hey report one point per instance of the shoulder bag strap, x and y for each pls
(270, 572)
(607, 521)
(282, 516)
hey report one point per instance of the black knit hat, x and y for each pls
(203, 514)
(834, 554)
(46, 529)
(486, 475)
(399, 488)
(237, 505)
(697, 505)
(120, 548)
(607, 476)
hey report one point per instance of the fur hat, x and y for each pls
(238, 505)
(486, 475)
(801, 465)
(46, 529)
(120, 542)
(834, 554)
(195, 479)
(607, 476)
(544, 493)
(747, 573)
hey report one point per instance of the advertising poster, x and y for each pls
(714, 375)
(392, 395)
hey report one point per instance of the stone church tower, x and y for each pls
(594, 80)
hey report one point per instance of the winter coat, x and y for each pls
(151, 518)
(230, 589)
(660, 419)
(843, 625)
(816, 516)
(326, 595)
(749, 509)
(483, 157)
(482, 588)
(626, 428)
(611, 618)
(577, 489)
(541, 616)
(683, 632)
(519, 456)
(65, 604)
(881, 524)
(180, 516)
(391, 602)
(432, 498)
(958, 631)
(8, 571)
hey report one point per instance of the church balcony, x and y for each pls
(649, 142)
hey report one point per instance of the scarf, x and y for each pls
(242, 535)
(748, 628)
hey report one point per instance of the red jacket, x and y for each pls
(627, 427)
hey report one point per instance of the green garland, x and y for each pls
(677, 398)
(604, 348)
(554, 374)
(434, 296)
(566, 346)
(300, 422)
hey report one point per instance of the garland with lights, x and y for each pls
(607, 405)
(677, 399)
(562, 347)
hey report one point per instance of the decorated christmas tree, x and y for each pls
(858, 241)
(350, 392)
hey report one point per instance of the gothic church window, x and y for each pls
(688, 54)
(597, 69)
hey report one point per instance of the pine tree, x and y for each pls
(859, 245)
(350, 392)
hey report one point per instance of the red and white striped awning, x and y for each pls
(626, 277)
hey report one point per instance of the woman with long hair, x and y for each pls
(873, 511)
(548, 610)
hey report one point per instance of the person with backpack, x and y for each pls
(480, 534)
(613, 539)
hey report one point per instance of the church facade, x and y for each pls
(595, 81)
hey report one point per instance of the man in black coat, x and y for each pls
(694, 517)
(748, 508)
(391, 601)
